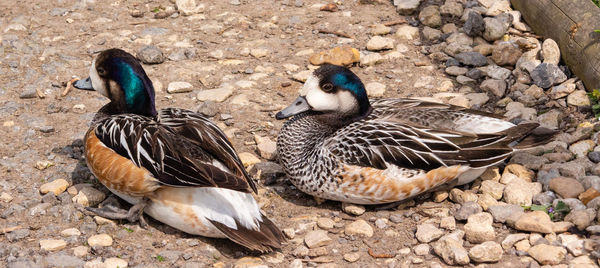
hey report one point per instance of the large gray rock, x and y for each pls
(474, 26)
(546, 75)
(150, 55)
(471, 58)
(406, 7)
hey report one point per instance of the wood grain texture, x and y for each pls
(557, 19)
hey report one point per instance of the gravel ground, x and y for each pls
(239, 62)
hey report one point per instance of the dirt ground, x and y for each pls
(58, 40)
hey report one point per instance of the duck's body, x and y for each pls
(387, 150)
(175, 164)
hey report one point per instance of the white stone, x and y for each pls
(380, 43)
(407, 32)
(179, 87)
(217, 94)
(115, 263)
(52, 244)
(100, 240)
(375, 89)
(70, 232)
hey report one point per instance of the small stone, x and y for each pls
(496, 87)
(477, 99)
(289, 233)
(506, 53)
(259, 52)
(318, 238)
(56, 186)
(430, 16)
(343, 55)
(462, 197)
(452, 8)
(380, 43)
(489, 251)
(70, 232)
(353, 209)
(380, 29)
(546, 75)
(511, 239)
(375, 89)
(188, 7)
(431, 34)
(266, 147)
(562, 226)
(406, 7)
(247, 262)
(474, 26)
(52, 244)
(179, 87)
(325, 223)
(535, 221)
(428, 232)
(578, 98)
(498, 7)
(407, 32)
(450, 249)
(371, 59)
(546, 254)
(150, 55)
(550, 51)
(89, 197)
(302, 76)
(472, 59)
(456, 71)
(479, 228)
(352, 257)
(115, 263)
(581, 218)
(422, 249)
(381, 223)
(440, 196)
(81, 251)
(16, 235)
(248, 159)
(216, 95)
(566, 187)
(523, 245)
(448, 223)
(359, 228)
(100, 240)
(5, 197)
(494, 189)
(467, 209)
(494, 29)
(589, 195)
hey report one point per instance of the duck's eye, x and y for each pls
(101, 71)
(327, 87)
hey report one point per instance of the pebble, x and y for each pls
(216, 95)
(448, 223)
(493, 188)
(353, 209)
(523, 245)
(56, 186)
(70, 232)
(430, 16)
(456, 71)
(494, 29)
(494, 86)
(259, 52)
(371, 59)
(325, 223)
(452, 8)
(302, 76)
(375, 89)
(248, 262)
(343, 55)
(461, 197)
(546, 75)
(479, 228)
(115, 263)
(511, 239)
(472, 59)
(535, 221)
(450, 249)
(581, 218)
(496, 72)
(5, 197)
(474, 26)
(80, 251)
(422, 249)
(380, 29)
(546, 254)
(359, 228)
(506, 53)
(89, 197)
(406, 7)
(100, 240)
(150, 55)
(488, 251)
(566, 187)
(550, 51)
(578, 98)
(352, 257)
(467, 209)
(317, 238)
(179, 87)
(17, 234)
(588, 195)
(428, 232)
(518, 193)
(266, 147)
(52, 244)
(377, 43)
(431, 34)
(248, 159)
(407, 32)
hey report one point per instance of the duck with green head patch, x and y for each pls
(172, 164)
(341, 146)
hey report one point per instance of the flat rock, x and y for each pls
(581, 218)
(359, 228)
(115, 263)
(89, 197)
(546, 75)
(535, 221)
(488, 251)
(428, 232)
(353, 209)
(216, 95)
(506, 212)
(550, 51)
(343, 55)
(450, 248)
(511, 239)
(546, 254)
(179, 87)
(578, 98)
(566, 187)
(471, 58)
(248, 159)
(494, 86)
(56, 186)
(377, 43)
(479, 228)
(406, 7)
(100, 240)
(52, 244)
(375, 89)
(493, 188)
(407, 32)
(317, 238)
(467, 209)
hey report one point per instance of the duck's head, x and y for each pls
(331, 90)
(119, 76)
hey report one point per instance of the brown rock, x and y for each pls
(566, 187)
(343, 55)
(506, 53)
(588, 195)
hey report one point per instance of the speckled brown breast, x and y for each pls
(115, 171)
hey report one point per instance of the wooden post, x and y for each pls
(571, 23)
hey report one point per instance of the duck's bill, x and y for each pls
(85, 84)
(298, 106)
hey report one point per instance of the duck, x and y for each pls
(172, 164)
(339, 145)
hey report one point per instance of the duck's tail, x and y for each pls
(266, 239)
(526, 135)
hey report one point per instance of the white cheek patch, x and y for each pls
(311, 83)
(346, 102)
(321, 101)
(97, 82)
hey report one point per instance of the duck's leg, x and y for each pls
(135, 213)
